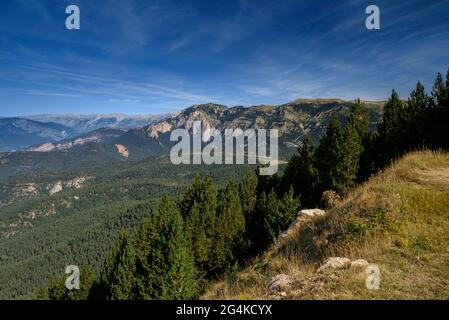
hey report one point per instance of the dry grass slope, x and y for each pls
(398, 220)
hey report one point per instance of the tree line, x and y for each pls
(188, 242)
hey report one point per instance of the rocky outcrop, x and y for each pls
(312, 212)
(302, 217)
(279, 283)
(57, 187)
(28, 189)
(337, 263)
(76, 183)
(359, 264)
(334, 263)
(161, 127)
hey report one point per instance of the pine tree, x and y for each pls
(117, 275)
(274, 215)
(122, 286)
(439, 91)
(440, 113)
(164, 264)
(230, 229)
(359, 119)
(248, 192)
(338, 156)
(328, 155)
(248, 199)
(346, 171)
(391, 129)
(444, 119)
(266, 183)
(198, 208)
(302, 175)
(417, 119)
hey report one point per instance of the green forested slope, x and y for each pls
(41, 234)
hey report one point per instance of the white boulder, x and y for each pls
(359, 264)
(334, 263)
(312, 212)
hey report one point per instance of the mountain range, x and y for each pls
(25, 132)
(19, 133)
(121, 139)
(87, 123)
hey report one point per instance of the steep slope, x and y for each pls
(86, 151)
(17, 133)
(397, 221)
(293, 120)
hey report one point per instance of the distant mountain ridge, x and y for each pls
(293, 121)
(18, 133)
(87, 123)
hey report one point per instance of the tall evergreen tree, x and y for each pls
(359, 119)
(116, 280)
(230, 229)
(417, 119)
(439, 126)
(165, 267)
(198, 207)
(301, 173)
(328, 155)
(346, 172)
(248, 192)
(391, 129)
(273, 215)
(338, 156)
(248, 199)
(444, 119)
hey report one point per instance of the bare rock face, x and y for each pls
(312, 212)
(161, 127)
(359, 264)
(280, 283)
(335, 263)
(76, 183)
(301, 218)
(57, 187)
(122, 150)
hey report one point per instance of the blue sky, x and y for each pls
(144, 56)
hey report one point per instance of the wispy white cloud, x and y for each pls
(100, 85)
(124, 100)
(51, 94)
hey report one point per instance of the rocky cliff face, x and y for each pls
(292, 120)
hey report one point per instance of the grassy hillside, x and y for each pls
(398, 220)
